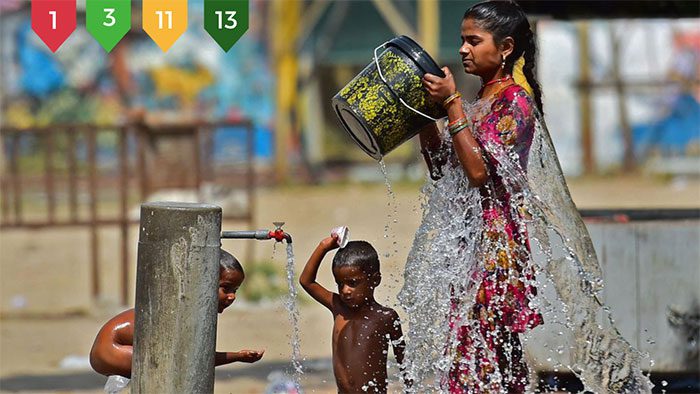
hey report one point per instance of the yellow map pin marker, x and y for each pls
(164, 21)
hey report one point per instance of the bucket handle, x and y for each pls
(381, 75)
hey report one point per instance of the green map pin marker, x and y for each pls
(108, 20)
(226, 21)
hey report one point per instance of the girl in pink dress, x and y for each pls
(472, 275)
(495, 36)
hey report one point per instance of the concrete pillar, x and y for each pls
(176, 298)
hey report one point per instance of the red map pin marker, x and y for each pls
(53, 21)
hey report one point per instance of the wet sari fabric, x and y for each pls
(489, 355)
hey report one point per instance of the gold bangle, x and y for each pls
(450, 99)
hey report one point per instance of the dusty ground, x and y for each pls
(48, 315)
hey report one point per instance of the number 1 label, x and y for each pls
(53, 21)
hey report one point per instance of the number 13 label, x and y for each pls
(226, 21)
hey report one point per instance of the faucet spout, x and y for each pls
(279, 236)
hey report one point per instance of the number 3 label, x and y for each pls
(109, 17)
(108, 20)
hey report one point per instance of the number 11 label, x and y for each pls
(165, 21)
(226, 21)
(53, 21)
(108, 20)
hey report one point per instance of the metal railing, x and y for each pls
(39, 161)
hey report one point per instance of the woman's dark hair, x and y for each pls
(504, 18)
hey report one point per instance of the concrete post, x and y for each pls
(176, 298)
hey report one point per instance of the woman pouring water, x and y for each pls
(497, 186)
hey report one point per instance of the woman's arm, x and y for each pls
(465, 145)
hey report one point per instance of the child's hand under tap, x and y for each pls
(249, 356)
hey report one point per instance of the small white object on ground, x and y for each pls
(116, 384)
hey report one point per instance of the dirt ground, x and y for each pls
(48, 319)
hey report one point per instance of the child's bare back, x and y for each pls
(362, 328)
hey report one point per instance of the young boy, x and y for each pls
(113, 348)
(362, 328)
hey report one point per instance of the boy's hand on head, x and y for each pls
(329, 243)
(249, 356)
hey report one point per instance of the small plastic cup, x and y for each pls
(343, 235)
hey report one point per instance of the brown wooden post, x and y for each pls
(628, 161)
(585, 99)
(197, 149)
(49, 176)
(141, 141)
(72, 177)
(4, 183)
(94, 240)
(176, 298)
(123, 212)
(250, 185)
(15, 178)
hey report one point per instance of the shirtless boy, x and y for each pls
(362, 328)
(113, 348)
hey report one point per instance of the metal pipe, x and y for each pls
(176, 298)
(259, 234)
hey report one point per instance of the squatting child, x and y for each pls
(362, 328)
(113, 348)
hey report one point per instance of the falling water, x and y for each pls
(548, 256)
(392, 216)
(290, 303)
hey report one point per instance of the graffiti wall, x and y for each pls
(195, 79)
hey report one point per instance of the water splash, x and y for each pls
(476, 248)
(290, 303)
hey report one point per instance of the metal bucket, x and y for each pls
(386, 104)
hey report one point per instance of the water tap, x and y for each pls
(277, 234)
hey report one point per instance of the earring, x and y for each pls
(503, 62)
